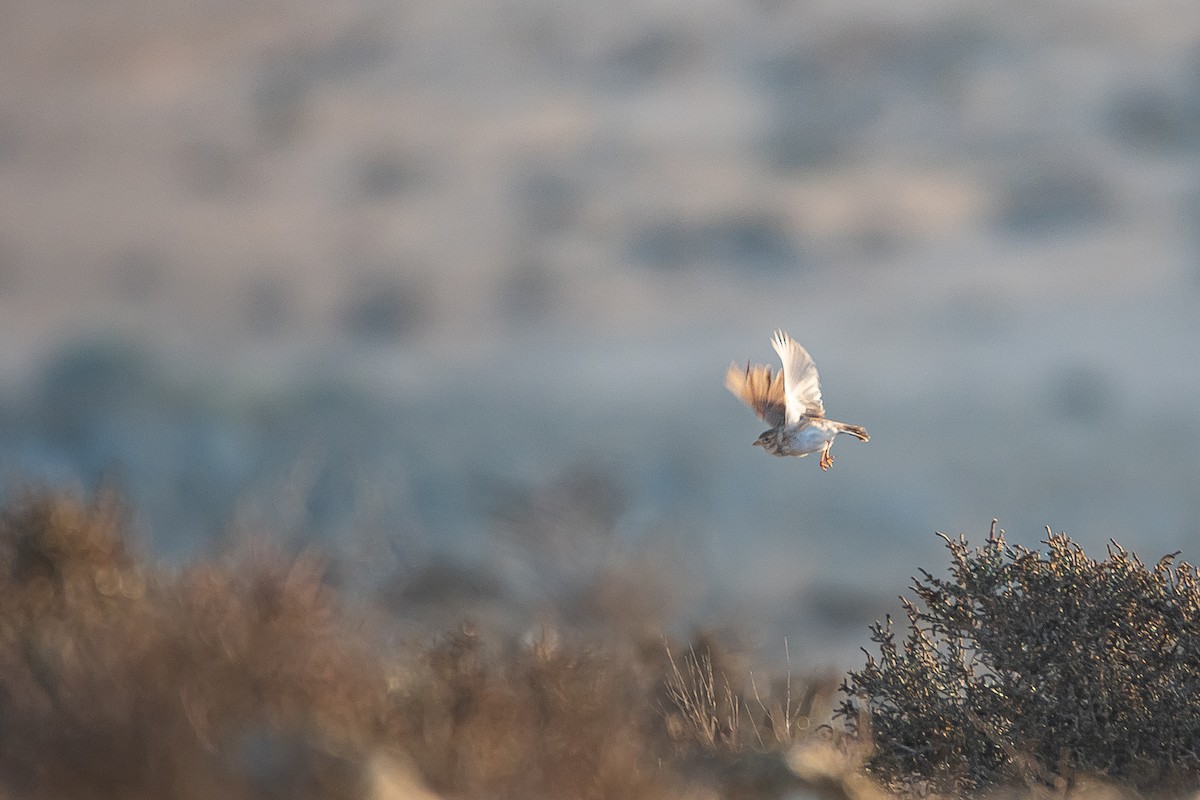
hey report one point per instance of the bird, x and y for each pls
(790, 401)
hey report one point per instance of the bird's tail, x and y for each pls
(854, 430)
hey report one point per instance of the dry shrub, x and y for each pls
(1038, 668)
(120, 680)
(703, 710)
(711, 707)
(755, 737)
(247, 677)
(551, 719)
(253, 677)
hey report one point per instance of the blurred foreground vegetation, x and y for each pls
(255, 675)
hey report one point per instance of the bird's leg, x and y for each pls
(826, 457)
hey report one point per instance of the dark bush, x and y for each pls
(1036, 667)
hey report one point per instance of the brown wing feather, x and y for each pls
(758, 388)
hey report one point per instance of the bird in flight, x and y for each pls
(790, 401)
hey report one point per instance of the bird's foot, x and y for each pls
(826, 460)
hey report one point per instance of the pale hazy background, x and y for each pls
(449, 288)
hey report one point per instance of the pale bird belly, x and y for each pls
(810, 439)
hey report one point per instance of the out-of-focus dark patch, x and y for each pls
(829, 97)
(555, 535)
(633, 596)
(938, 57)
(344, 57)
(10, 267)
(279, 104)
(385, 308)
(1053, 198)
(265, 303)
(286, 764)
(529, 293)
(139, 274)
(280, 98)
(1157, 121)
(211, 168)
(1188, 219)
(870, 57)
(580, 504)
(383, 175)
(802, 138)
(977, 312)
(1079, 392)
(330, 495)
(88, 379)
(11, 139)
(649, 55)
(839, 608)
(549, 200)
(814, 118)
(442, 583)
(597, 493)
(754, 243)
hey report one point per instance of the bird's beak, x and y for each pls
(758, 442)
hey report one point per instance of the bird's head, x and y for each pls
(764, 438)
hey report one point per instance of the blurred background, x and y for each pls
(448, 289)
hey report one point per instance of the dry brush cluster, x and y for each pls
(254, 677)
(1040, 669)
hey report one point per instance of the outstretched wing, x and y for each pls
(758, 388)
(801, 386)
